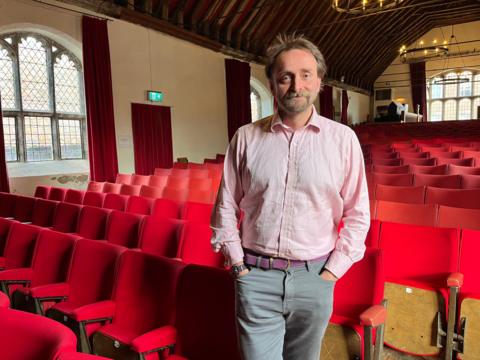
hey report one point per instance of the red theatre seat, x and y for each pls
(128, 189)
(19, 246)
(93, 198)
(144, 300)
(158, 181)
(433, 169)
(160, 236)
(441, 181)
(463, 170)
(415, 155)
(389, 162)
(92, 222)
(205, 320)
(95, 186)
(385, 169)
(140, 179)
(393, 179)
(66, 217)
(4, 300)
(23, 208)
(123, 228)
(461, 198)
(115, 201)
(403, 194)
(418, 260)
(167, 208)
(195, 247)
(41, 191)
(452, 217)
(74, 196)
(139, 205)
(123, 178)
(414, 214)
(162, 172)
(197, 212)
(153, 192)
(7, 204)
(43, 212)
(470, 181)
(57, 194)
(29, 336)
(111, 188)
(418, 161)
(87, 291)
(458, 162)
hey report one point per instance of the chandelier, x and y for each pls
(363, 6)
(423, 52)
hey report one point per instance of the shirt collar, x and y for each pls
(314, 122)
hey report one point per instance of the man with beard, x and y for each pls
(295, 176)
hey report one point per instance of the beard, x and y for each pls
(296, 102)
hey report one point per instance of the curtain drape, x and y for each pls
(418, 83)
(344, 118)
(237, 77)
(4, 185)
(152, 138)
(102, 145)
(326, 102)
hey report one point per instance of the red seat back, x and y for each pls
(95, 186)
(153, 192)
(197, 212)
(167, 208)
(441, 181)
(385, 169)
(418, 161)
(470, 181)
(462, 198)
(415, 214)
(43, 212)
(432, 169)
(139, 205)
(453, 217)
(123, 228)
(115, 201)
(463, 170)
(93, 198)
(92, 222)
(20, 245)
(23, 210)
(7, 204)
(160, 236)
(65, 218)
(393, 179)
(57, 193)
(195, 247)
(404, 194)
(41, 191)
(74, 196)
(468, 266)
(140, 179)
(113, 188)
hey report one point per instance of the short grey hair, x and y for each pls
(285, 42)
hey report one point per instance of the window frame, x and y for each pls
(19, 113)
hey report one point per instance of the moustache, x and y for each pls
(294, 94)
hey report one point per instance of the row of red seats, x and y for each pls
(121, 303)
(189, 210)
(451, 181)
(445, 169)
(472, 161)
(200, 183)
(422, 265)
(159, 235)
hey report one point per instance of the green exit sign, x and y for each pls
(155, 96)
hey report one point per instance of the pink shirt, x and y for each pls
(294, 188)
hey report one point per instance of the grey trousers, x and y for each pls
(283, 314)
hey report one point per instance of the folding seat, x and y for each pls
(65, 218)
(41, 191)
(432, 169)
(385, 169)
(95, 186)
(143, 316)
(413, 154)
(463, 148)
(167, 208)
(123, 178)
(115, 201)
(205, 315)
(175, 194)
(197, 212)
(74, 196)
(29, 336)
(160, 236)
(123, 228)
(389, 162)
(417, 263)
(195, 247)
(463, 170)
(130, 189)
(51, 258)
(393, 179)
(384, 155)
(470, 181)
(7, 204)
(90, 281)
(178, 182)
(414, 214)
(441, 181)
(4, 300)
(57, 194)
(453, 217)
(199, 173)
(93, 198)
(458, 162)
(111, 188)
(23, 208)
(434, 148)
(162, 172)
(357, 312)
(179, 172)
(403, 194)
(201, 196)
(446, 154)
(473, 154)
(43, 212)
(140, 179)
(153, 192)
(403, 145)
(461, 198)
(158, 181)
(92, 222)
(418, 161)
(200, 184)
(19, 246)
(139, 205)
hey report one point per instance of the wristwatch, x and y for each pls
(237, 269)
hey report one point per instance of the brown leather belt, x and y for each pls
(268, 263)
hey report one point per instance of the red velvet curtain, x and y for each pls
(152, 138)
(344, 118)
(237, 76)
(326, 102)
(4, 185)
(102, 145)
(418, 82)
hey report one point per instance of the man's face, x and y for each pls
(295, 83)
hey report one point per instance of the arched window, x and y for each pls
(454, 96)
(42, 99)
(256, 104)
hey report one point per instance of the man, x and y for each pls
(295, 176)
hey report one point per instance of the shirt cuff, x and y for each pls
(233, 252)
(338, 263)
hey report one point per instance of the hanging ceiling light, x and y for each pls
(363, 6)
(423, 52)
